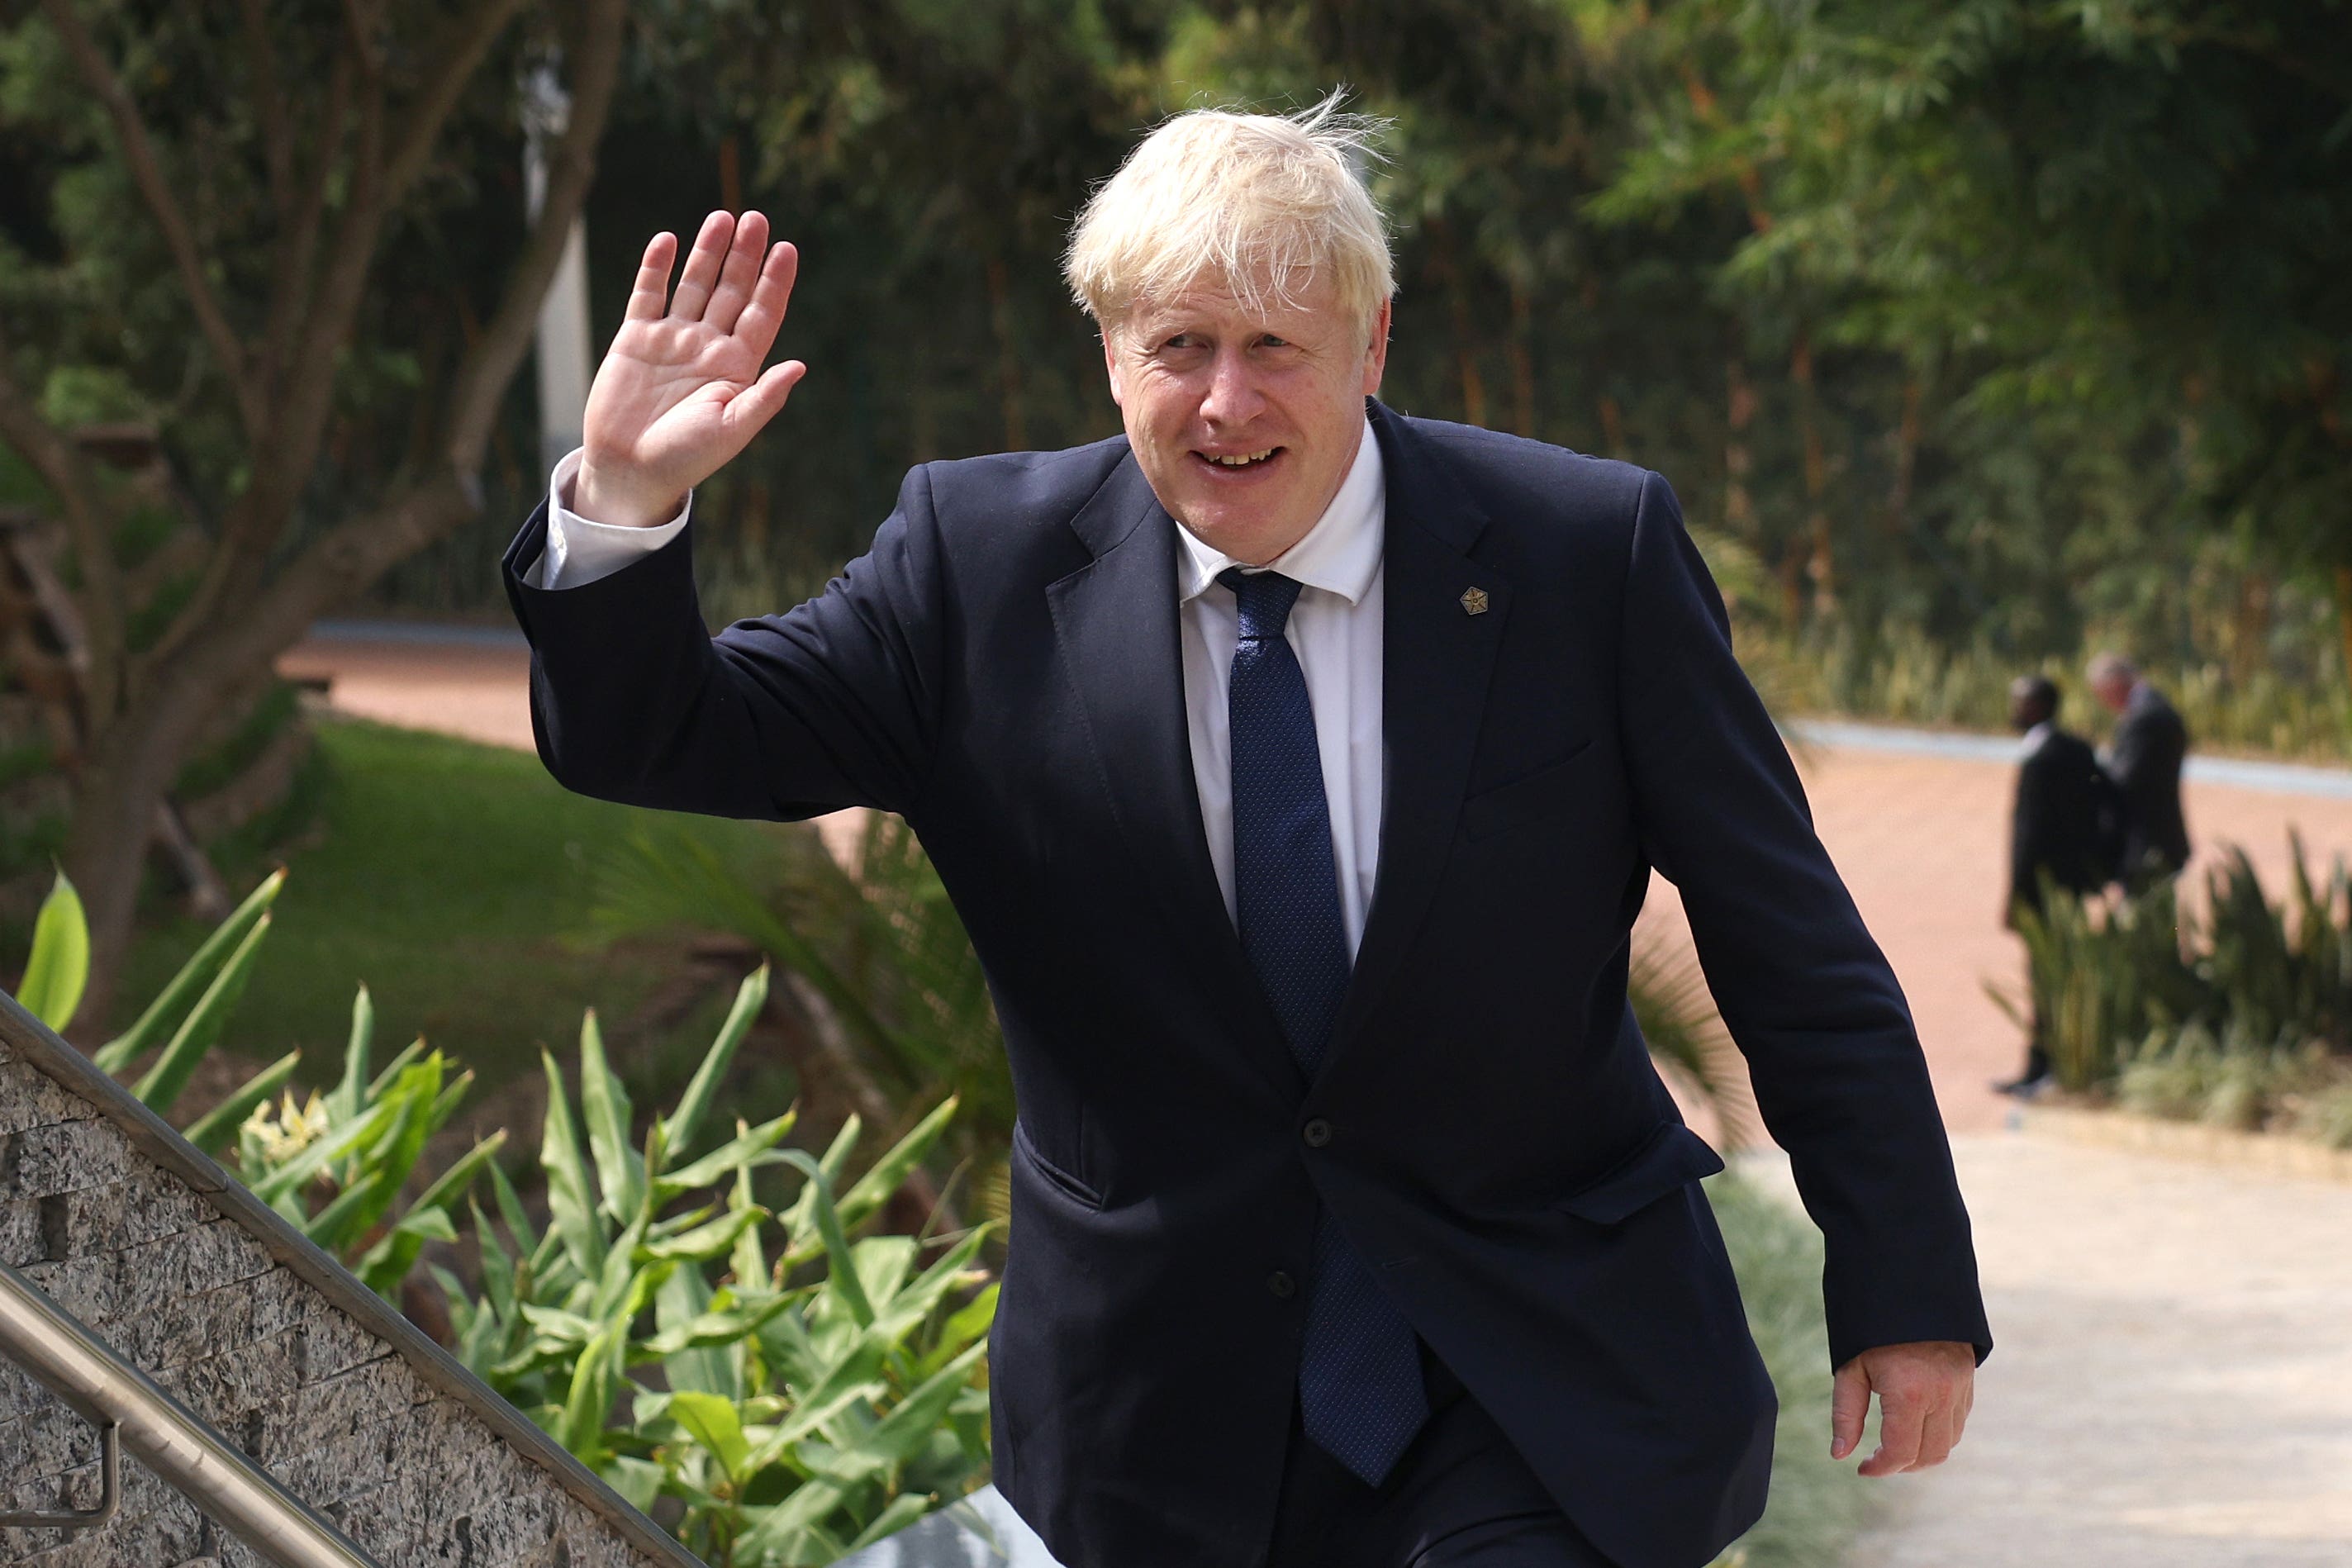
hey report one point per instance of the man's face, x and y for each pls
(2025, 709)
(1246, 420)
(2114, 692)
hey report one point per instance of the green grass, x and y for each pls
(457, 881)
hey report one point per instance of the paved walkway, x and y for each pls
(2174, 1383)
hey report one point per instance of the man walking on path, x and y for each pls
(2151, 742)
(1297, 767)
(2063, 828)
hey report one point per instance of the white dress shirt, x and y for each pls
(1335, 629)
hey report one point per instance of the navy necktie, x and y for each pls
(1360, 1385)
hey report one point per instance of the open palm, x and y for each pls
(681, 390)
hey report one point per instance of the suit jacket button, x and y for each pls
(1281, 1284)
(1316, 1132)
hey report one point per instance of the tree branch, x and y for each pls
(138, 154)
(276, 138)
(466, 43)
(298, 247)
(338, 564)
(262, 512)
(71, 476)
(488, 369)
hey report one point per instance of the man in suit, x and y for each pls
(2062, 830)
(2150, 744)
(1299, 768)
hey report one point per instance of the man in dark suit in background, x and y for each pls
(2150, 744)
(1298, 767)
(2063, 831)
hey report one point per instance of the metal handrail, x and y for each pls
(63, 1355)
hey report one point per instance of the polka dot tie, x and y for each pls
(1360, 1385)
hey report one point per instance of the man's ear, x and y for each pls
(1113, 369)
(1375, 352)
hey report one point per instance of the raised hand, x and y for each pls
(682, 391)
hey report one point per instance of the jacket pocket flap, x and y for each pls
(1498, 807)
(1673, 1157)
(1069, 1185)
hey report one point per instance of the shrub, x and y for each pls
(2209, 1016)
(777, 1394)
(334, 1167)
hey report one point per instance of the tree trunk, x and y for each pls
(1906, 458)
(1738, 458)
(117, 792)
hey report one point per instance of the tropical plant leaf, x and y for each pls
(57, 968)
(605, 1110)
(160, 1088)
(194, 978)
(845, 1280)
(730, 1157)
(694, 1105)
(571, 1205)
(711, 1421)
(345, 1102)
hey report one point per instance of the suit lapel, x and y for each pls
(1115, 625)
(1437, 660)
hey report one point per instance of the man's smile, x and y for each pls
(1232, 462)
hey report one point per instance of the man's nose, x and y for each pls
(1233, 397)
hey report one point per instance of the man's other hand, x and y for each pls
(1925, 1392)
(682, 391)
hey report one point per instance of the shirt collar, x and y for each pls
(1340, 554)
(2035, 736)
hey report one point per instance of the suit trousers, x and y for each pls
(1460, 1496)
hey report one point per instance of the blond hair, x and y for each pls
(1262, 203)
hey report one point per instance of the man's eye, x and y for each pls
(1271, 342)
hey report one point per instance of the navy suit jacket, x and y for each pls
(1002, 668)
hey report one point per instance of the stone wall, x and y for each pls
(261, 1337)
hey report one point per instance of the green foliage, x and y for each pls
(884, 951)
(336, 1166)
(794, 1392)
(1902, 673)
(2101, 975)
(58, 966)
(2240, 1016)
(2065, 333)
(456, 878)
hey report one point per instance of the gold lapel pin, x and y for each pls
(1474, 601)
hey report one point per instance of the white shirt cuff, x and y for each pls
(579, 551)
